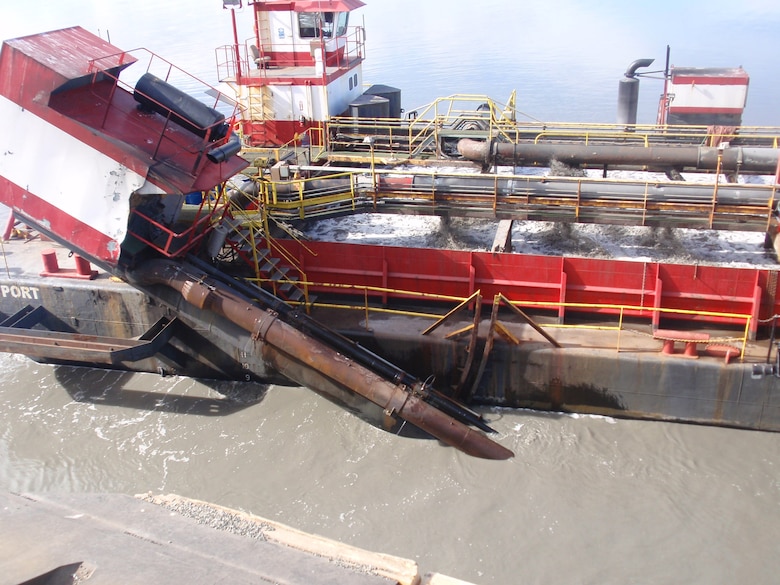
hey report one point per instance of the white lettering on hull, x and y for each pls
(30, 293)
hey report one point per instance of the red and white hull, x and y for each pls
(71, 188)
(80, 153)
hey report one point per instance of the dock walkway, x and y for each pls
(112, 538)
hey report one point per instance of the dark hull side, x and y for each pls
(108, 309)
(642, 383)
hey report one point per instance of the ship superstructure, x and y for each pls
(302, 65)
(124, 145)
(130, 150)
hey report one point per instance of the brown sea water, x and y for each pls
(584, 500)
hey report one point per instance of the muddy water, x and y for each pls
(585, 500)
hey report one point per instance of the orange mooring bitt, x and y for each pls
(51, 267)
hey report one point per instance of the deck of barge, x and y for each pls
(113, 538)
(23, 262)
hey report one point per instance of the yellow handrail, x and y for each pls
(619, 309)
(305, 198)
(432, 119)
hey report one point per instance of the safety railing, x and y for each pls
(481, 115)
(588, 136)
(385, 137)
(249, 59)
(228, 65)
(423, 128)
(645, 202)
(171, 243)
(145, 61)
(371, 294)
(304, 198)
(463, 112)
(348, 48)
(174, 147)
(303, 149)
(251, 231)
(649, 134)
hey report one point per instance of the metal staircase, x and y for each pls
(247, 246)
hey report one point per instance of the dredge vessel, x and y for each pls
(188, 204)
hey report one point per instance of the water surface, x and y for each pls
(586, 499)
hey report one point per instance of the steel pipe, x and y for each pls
(312, 328)
(591, 190)
(738, 158)
(638, 64)
(311, 363)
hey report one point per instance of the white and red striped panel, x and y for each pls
(708, 91)
(54, 171)
(64, 185)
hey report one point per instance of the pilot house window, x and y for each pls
(330, 24)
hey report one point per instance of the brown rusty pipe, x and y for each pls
(311, 363)
(395, 400)
(739, 158)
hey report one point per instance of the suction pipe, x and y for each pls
(311, 363)
(739, 158)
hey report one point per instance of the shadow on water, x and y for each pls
(121, 389)
(145, 392)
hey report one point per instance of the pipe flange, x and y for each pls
(397, 401)
(263, 324)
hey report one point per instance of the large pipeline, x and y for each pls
(311, 363)
(308, 326)
(668, 193)
(731, 159)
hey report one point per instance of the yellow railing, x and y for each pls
(409, 136)
(459, 110)
(648, 133)
(309, 145)
(618, 311)
(500, 121)
(255, 224)
(304, 194)
(589, 135)
(306, 198)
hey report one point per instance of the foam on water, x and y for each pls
(725, 248)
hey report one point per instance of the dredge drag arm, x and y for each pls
(310, 362)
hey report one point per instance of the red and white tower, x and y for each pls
(302, 65)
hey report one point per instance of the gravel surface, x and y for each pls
(213, 516)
